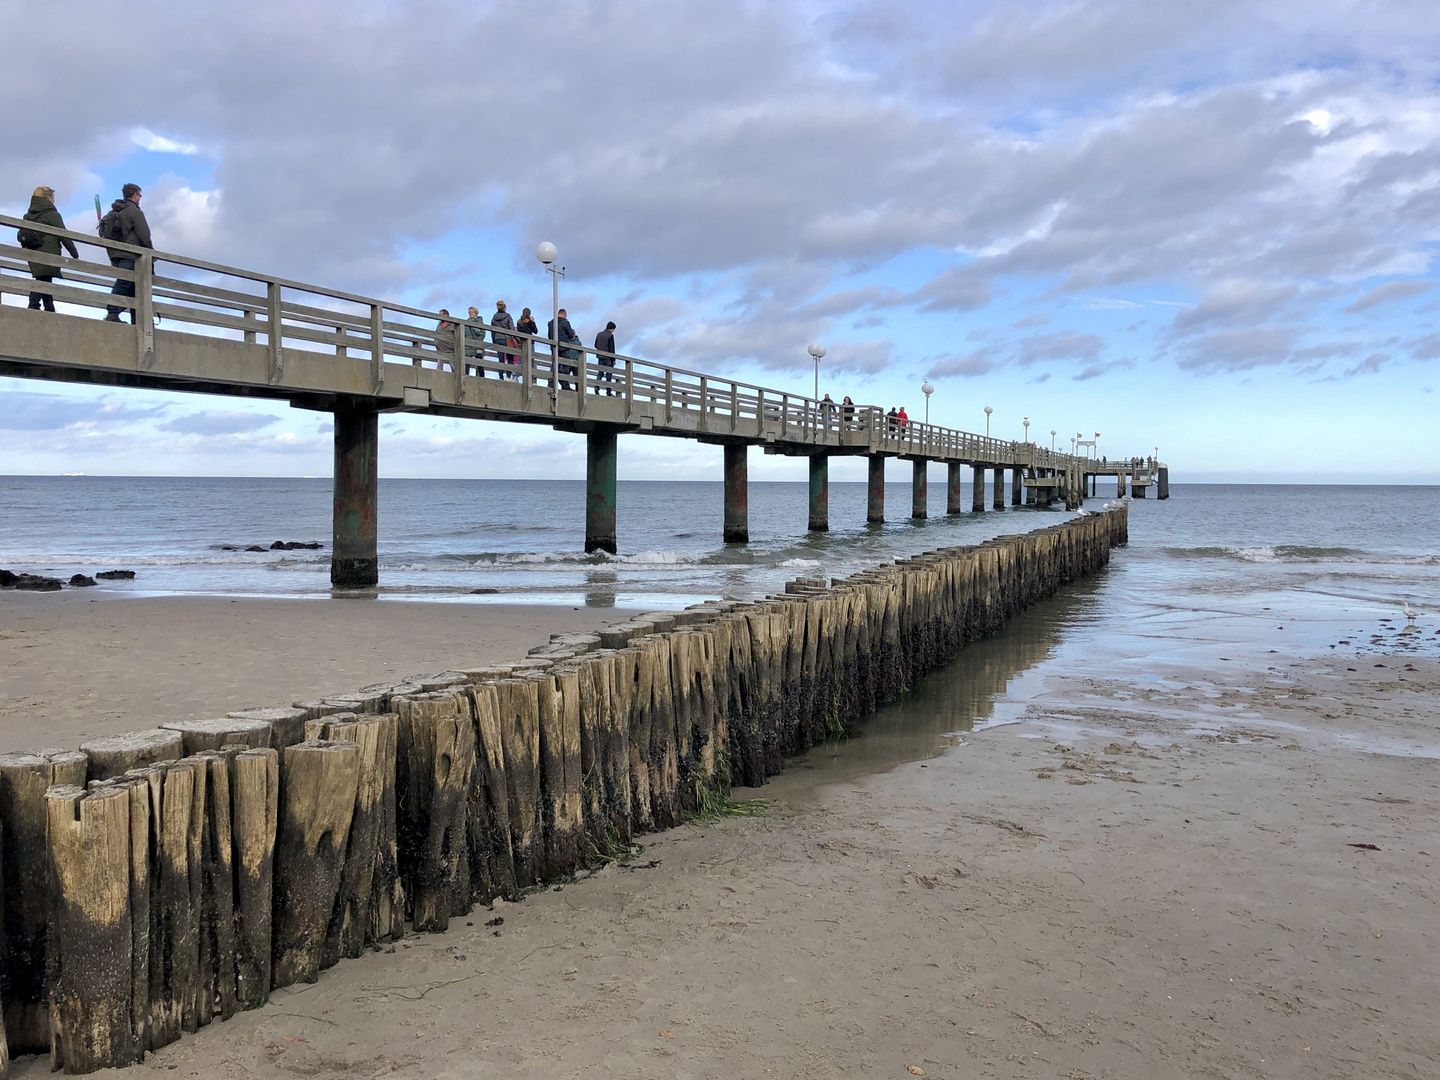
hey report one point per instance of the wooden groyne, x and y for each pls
(159, 881)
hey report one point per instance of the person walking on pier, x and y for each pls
(847, 413)
(476, 334)
(892, 421)
(445, 341)
(566, 334)
(605, 349)
(903, 419)
(42, 212)
(827, 411)
(526, 325)
(126, 223)
(504, 321)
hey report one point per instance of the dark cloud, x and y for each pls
(1391, 290)
(217, 423)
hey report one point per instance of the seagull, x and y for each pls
(1409, 615)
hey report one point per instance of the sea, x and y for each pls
(1222, 578)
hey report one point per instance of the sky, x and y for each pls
(1204, 227)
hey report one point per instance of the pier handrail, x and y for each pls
(198, 296)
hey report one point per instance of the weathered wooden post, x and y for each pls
(819, 493)
(737, 493)
(518, 706)
(115, 755)
(90, 929)
(24, 779)
(254, 818)
(287, 725)
(600, 461)
(435, 764)
(197, 735)
(560, 775)
(354, 558)
(487, 823)
(318, 781)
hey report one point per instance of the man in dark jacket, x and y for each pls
(42, 211)
(132, 229)
(567, 335)
(605, 347)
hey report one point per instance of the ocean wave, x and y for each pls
(1300, 553)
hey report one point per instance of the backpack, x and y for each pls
(110, 227)
(30, 239)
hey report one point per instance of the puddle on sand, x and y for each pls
(989, 683)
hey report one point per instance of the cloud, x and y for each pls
(1371, 364)
(148, 140)
(217, 423)
(1391, 290)
(25, 410)
(1066, 345)
(979, 362)
(1234, 302)
(1094, 371)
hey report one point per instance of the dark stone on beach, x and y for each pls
(483, 592)
(37, 583)
(80, 581)
(295, 545)
(116, 575)
(8, 579)
(255, 547)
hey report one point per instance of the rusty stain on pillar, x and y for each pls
(919, 489)
(952, 487)
(1162, 482)
(977, 489)
(600, 454)
(737, 493)
(819, 493)
(998, 501)
(353, 558)
(875, 503)
(1016, 491)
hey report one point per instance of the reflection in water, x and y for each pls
(949, 702)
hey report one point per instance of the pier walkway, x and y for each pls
(207, 328)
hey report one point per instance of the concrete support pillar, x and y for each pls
(1046, 494)
(1120, 485)
(600, 454)
(998, 499)
(1030, 496)
(952, 487)
(819, 493)
(1016, 489)
(737, 493)
(1137, 491)
(977, 489)
(875, 503)
(1093, 479)
(354, 563)
(919, 489)
(1162, 483)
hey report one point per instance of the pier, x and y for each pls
(229, 331)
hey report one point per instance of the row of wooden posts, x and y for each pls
(156, 881)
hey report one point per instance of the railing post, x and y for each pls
(734, 405)
(274, 332)
(250, 320)
(784, 416)
(527, 371)
(582, 378)
(669, 393)
(377, 345)
(459, 364)
(629, 387)
(340, 348)
(704, 402)
(145, 310)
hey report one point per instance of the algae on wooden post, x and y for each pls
(24, 779)
(318, 780)
(90, 947)
(255, 801)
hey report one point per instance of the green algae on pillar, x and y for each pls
(819, 493)
(952, 487)
(737, 493)
(875, 501)
(354, 562)
(600, 454)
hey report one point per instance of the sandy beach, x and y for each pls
(75, 665)
(1136, 878)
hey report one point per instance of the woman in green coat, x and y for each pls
(42, 211)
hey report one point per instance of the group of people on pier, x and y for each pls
(125, 222)
(503, 330)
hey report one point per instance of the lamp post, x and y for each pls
(1026, 422)
(1052, 440)
(927, 390)
(546, 253)
(816, 352)
(988, 411)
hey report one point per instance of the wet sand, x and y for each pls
(1138, 869)
(75, 665)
